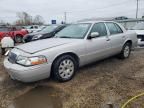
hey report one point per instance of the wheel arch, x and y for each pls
(66, 53)
(18, 35)
(128, 41)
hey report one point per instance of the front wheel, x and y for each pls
(18, 39)
(64, 68)
(126, 51)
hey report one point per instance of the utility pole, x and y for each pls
(65, 17)
(137, 9)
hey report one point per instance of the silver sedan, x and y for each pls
(74, 46)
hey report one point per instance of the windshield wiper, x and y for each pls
(67, 37)
(64, 37)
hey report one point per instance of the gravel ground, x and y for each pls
(111, 81)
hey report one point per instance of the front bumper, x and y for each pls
(27, 74)
(140, 43)
(27, 38)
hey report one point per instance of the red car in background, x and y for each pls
(14, 33)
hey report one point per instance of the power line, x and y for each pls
(105, 7)
(65, 17)
(98, 9)
(137, 8)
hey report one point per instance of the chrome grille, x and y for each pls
(140, 37)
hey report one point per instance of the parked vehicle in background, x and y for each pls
(139, 29)
(33, 28)
(41, 28)
(6, 44)
(74, 46)
(3, 32)
(19, 34)
(47, 32)
(16, 35)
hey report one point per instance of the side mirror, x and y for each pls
(94, 35)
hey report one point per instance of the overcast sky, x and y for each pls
(76, 9)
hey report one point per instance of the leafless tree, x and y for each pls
(24, 18)
(38, 20)
(2, 22)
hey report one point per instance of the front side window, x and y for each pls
(77, 31)
(100, 28)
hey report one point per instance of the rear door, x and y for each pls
(116, 37)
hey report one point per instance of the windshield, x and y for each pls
(73, 31)
(139, 26)
(48, 29)
(27, 27)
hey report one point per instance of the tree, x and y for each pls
(24, 18)
(38, 20)
(3, 23)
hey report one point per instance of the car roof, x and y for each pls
(94, 21)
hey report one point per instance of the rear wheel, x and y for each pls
(18, 39)
(64, 68)
(126, 51)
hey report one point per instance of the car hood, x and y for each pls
(41, 45)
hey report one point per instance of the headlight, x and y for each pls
(37, 36)
(31, 61)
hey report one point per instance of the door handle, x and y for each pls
(108, 40)
(123, 36)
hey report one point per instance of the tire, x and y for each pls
(64, 68)
(18, 39)
(126, 51)
(3, 51)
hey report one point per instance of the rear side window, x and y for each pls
(31, 27)
(36, 27)
(100, 28)
(118, 28)
(114, 28)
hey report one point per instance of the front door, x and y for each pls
(99, 47)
